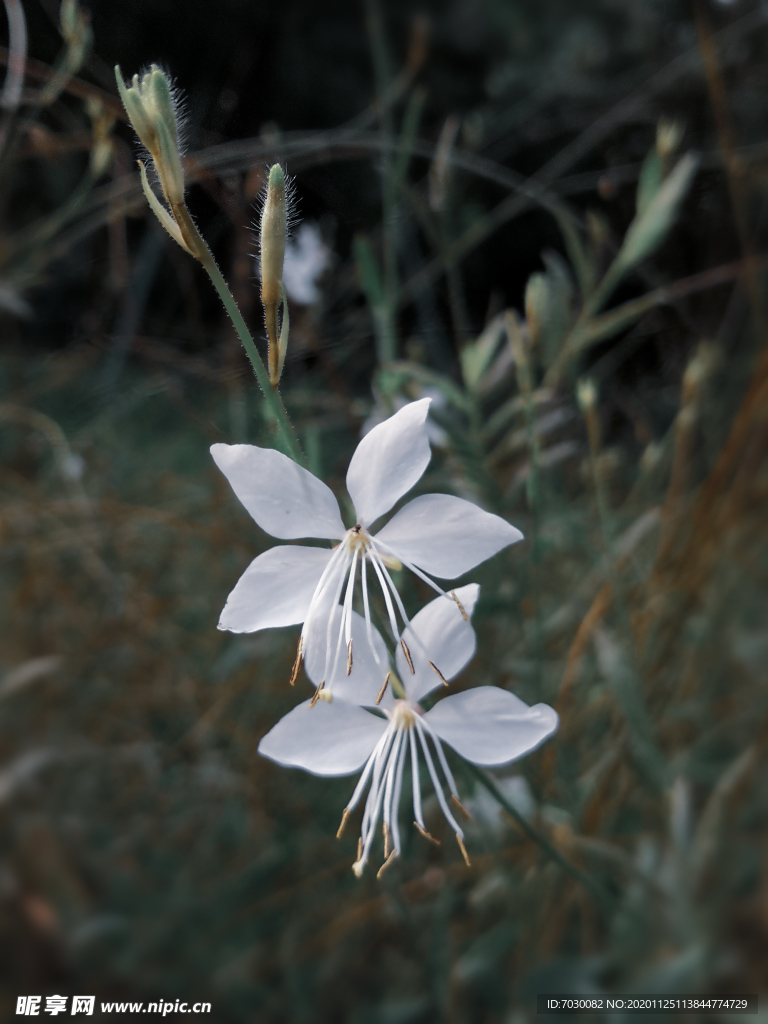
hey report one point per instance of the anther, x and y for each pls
(383, 690)
(299, 659)
(407, 654)
(434, 667)
(426, 834)
(386, 839)
(463, 849)
(461, 606)
(344, 818)
(349, 656)
(359, 847)
(316, 696)
(455, 800)
(386, 864)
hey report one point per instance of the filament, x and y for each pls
(436, 783)
(367, 610)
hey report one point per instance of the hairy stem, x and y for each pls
(273, 402)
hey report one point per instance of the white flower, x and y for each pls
(306, 257)
(436, 435)
(487, 726)
(433, 535)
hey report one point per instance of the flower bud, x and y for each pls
(669, 134)
(272, 235)
(586, 394)
(273, 230)
(150, 106)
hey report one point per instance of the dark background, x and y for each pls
(146, 851)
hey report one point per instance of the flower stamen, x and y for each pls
(408, 658)
(436, 782)
(336, 596)
(298, 662)
(409, 565)
(385, 592)
(344, 819)
(349, 656)
(442, 678)
(367, 610)
(345, 625)
(455, 800)
(383, 689)
(316, 696)
(384, 770)
(461, 606)
(463, 849)
(386, 863)
(426, 834)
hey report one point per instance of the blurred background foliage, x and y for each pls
(550, 218)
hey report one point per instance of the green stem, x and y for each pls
(387, 326)
(272, 400)
(601, 896)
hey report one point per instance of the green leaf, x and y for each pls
(649, 228)
(649, 181)
(580, 257)
(548, 307)
(476, 356)
(646, 232)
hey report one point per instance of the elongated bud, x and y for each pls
(151, 108)
(669, 135)
(152, 112)
(273, 229)
(272, 235)
(586, 396)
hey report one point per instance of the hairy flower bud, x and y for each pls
(150, 106)
(273, 229)
(272, 235)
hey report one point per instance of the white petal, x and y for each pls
(388, 461)
(284, 499)
(327, 739)
(491, 726)
(364, 682)
(448, 641)
(446, 536)
(275, 589)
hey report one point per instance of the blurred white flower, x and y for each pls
(306, 257)
(433, 535)
(487, 726)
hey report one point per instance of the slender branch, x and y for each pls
(601, 896)
(272, 400)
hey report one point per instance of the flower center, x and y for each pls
(338, 583)
(357, 539)
(404, 714)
